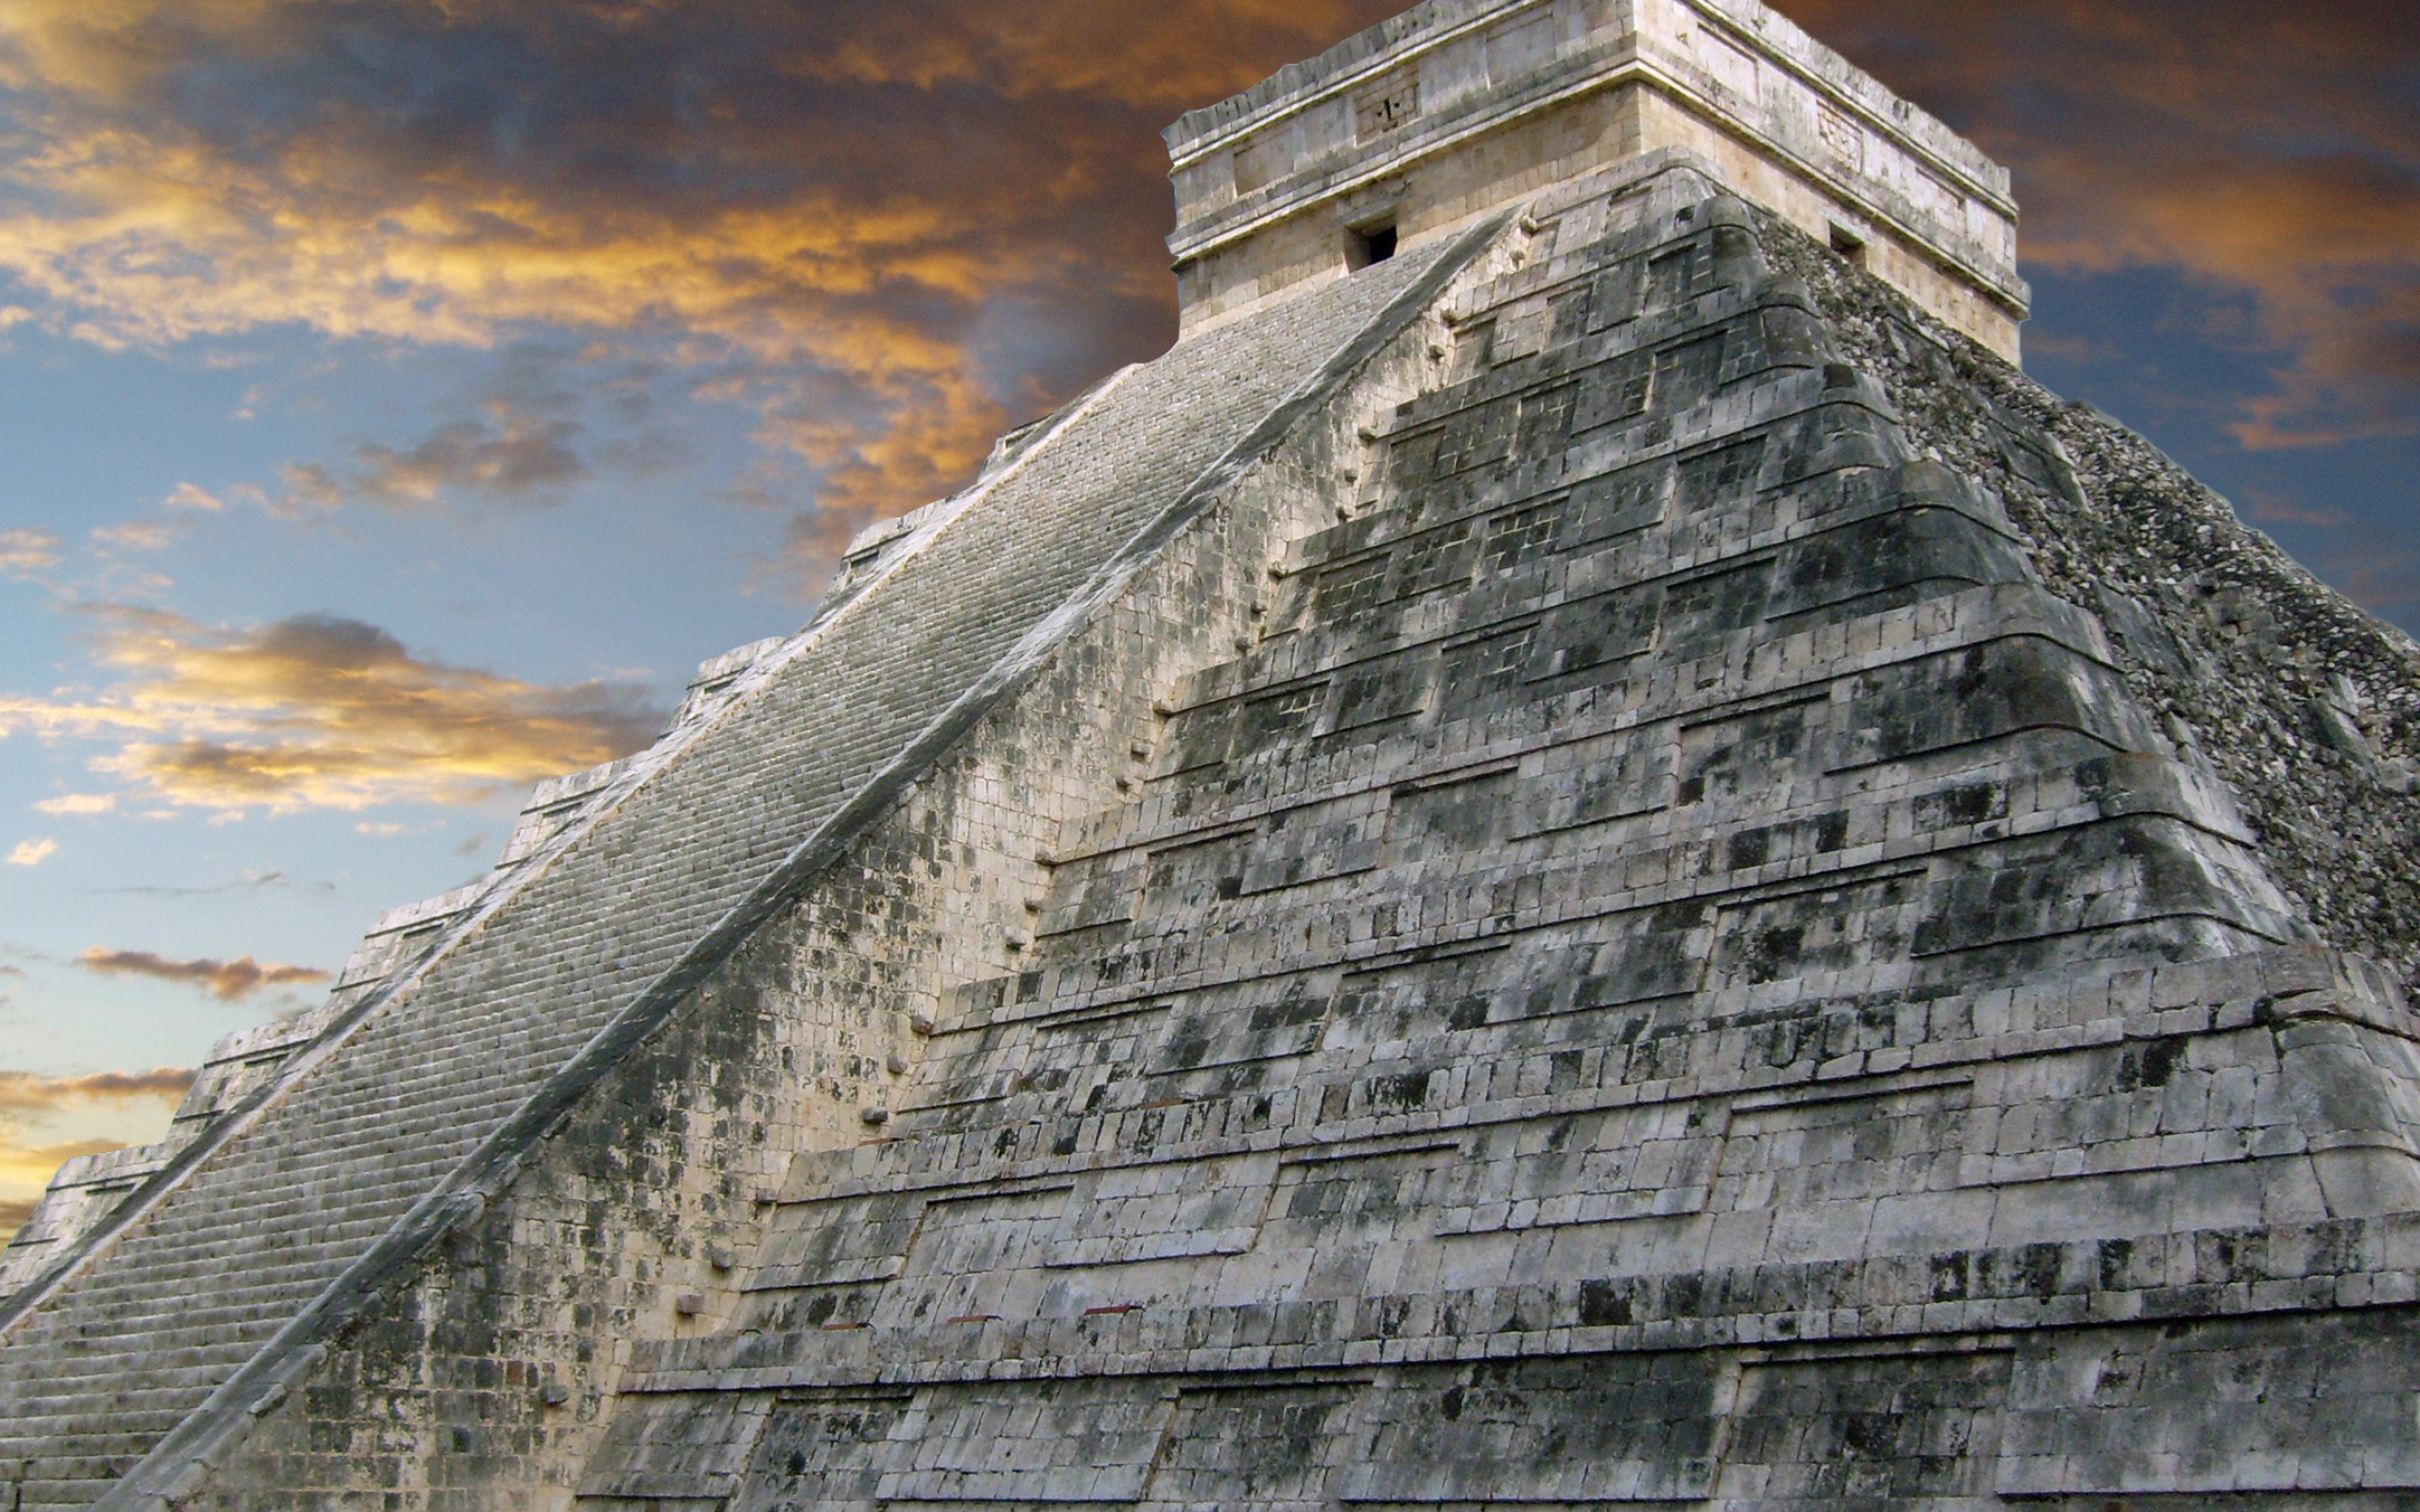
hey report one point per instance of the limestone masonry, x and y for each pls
(1580, 856)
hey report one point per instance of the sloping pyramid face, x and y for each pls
(1496, 884)
(1668, 969)
(428, 1085)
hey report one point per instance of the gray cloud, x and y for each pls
(515, 459)
(228, 981)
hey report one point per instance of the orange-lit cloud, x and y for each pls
(32, 1165)
(33, 853)
(818, 207)
(1164, 60)
(228, 981)
(860, 222)
(2269, 153)
(314, 711)
(22, 1092)
(136, 1102)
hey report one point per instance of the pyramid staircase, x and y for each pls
(160, 1325)
(1672, 971)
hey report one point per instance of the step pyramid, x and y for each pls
(1673, 970)
(1599, 864)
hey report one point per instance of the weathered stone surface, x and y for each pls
(1600, 866)
(1458, 107)
(389, 1131)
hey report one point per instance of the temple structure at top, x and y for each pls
(1458, 108)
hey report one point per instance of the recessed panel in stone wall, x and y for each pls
(1572, 1431)
(823, 1452)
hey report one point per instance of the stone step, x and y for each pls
(281, 1208)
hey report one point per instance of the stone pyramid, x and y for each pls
(1581, 856)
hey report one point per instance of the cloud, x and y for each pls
(316, 712)
(2383, 582)
(229, 980)
(33, 853)
(510, 457)
(22, 1092)
(2070, 347)
(26, 552)
(2269, 153)
(24, 1165)
(2271, 508)
(814, 210)
(836, 216)
(249, 882)
(79, 803)
(136, 535)
(131, 1105)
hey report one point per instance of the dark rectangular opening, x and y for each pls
(1848, 244)
(1368, 244)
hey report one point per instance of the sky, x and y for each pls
(398, 398)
